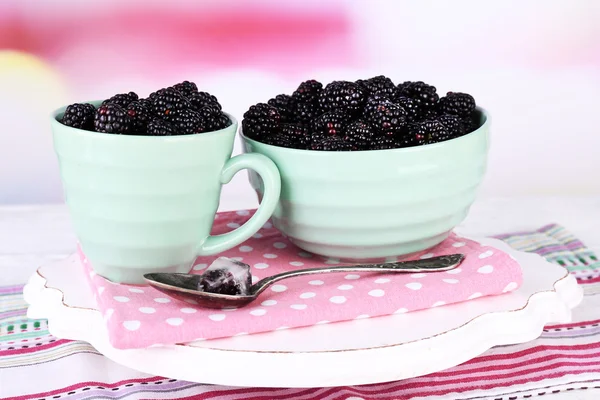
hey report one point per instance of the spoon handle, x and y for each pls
(434, 264)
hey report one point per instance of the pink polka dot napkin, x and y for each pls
(140, 316)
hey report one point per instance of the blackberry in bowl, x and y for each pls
(378, 172)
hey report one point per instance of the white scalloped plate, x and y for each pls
(355, 352)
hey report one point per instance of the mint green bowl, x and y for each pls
(379, 203)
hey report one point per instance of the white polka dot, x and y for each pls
(269, 255)
(217, 317)
(338, 299)
(304, 254)
(363, 316)
(267, 225)
(258, 312)
(296, 263)
(132, 325)
(162, 300)
(486, 254)
(121, 299)
(282, 328)
(426, 256)
(199, 339)
(92, 273)
(377, 293)
(101, 289)
(418, 275)
(245, 249)
(228, 309)
(451, 281)
(242, 212)
(85, 260)
(458, 244)
(401, 311)
(298, 306)
(237, 258)
(190, 301)
(198, 267)
(279, 245)
(233, 225)
(438, 303)
(307, 295)
(382, 280)
(354, 398)
(269, 302)
(136, 290)
(174, 321)
(261, 265)
(486, 269)
(332, 261)
(414, 285)
(187, 310)
(316, 283)
(475, 295)
(108, 313)
(255, 279)
(510, 287)
(279, 288)
(345, 287)
(147, 310)
(324, 322)
(352, 276)
(257, 235)
(454, 271)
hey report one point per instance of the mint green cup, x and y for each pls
(142, 204)
(379, 203)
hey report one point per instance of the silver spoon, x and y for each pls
(185, 286)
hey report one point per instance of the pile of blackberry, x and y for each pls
(369, 114)
(176, 110)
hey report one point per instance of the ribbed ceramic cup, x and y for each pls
(378, 203)
(143, 204)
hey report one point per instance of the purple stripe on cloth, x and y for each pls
(11, 289)
(13, 313)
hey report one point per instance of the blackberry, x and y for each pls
(413, 111)
(79, 115)
(461, 104)
(383, 142)
(186, 122)
(454, 124)
(332, 143)
(344, 95)
(140, 116)
(122, 99)
(308, 91)
(471, 123)
(381, 85)
(425, 95)
(304, 112)
(419, 133)
(298, 134)
(186, 88)
(165, 101)
(331, 123)
(112, 118)
(226, 282)
(203, 99)
(261, 120)
(359, 134)
(212, 119)
(160, 127)
(280, 140)
(284, 103)
(386, 117)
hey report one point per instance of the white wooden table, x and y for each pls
(33, 235)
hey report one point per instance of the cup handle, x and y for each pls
(272, 188)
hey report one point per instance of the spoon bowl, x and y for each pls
(186, 286)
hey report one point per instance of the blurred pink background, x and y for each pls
(534, 65)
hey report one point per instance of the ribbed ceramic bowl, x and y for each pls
(374, 204)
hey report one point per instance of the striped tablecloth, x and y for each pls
(564, 358)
